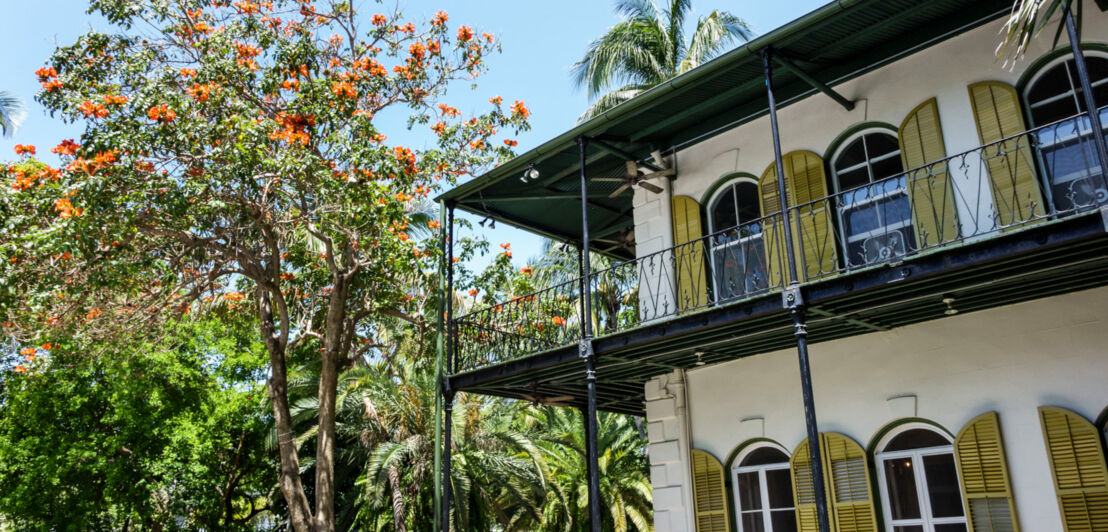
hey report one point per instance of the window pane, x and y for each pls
(1053, 111)
(723, 211)
(916, 439)
(853, 178)
(854, 154)
(950, 528)
(913, 528)
(881, 143)
(942, 485)
(747, 200)
(752, 522)
(780, 488)
(900, 484)
(750, 491)
(1052, 83)
(887, 167)
(861, 220)
(765, 455)
(783, 520)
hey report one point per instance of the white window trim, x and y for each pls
(761, 470)
(841, 208)
(1083, 127)
(1041, 71)
(916, 455)
(720, 190)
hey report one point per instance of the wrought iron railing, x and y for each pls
(1045, 173)
(526, 324)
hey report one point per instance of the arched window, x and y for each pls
(875, 216)
(919, 482)
(738, 251)
(764, 491)
(1066, 149)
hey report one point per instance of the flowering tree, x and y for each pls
(232, 159)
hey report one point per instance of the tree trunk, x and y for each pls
(300, 514)
(328, 384)
(397, 499)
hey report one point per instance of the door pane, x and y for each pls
(780, 488)
(942, 485)
(753, 522)
(900, 482)
(913, 528)
(750, 491)
(783, 520)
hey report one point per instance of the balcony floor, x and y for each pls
(1042, 260)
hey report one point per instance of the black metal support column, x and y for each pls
(1087, 93)
(793, 300)
(447, 392)
(592, 453)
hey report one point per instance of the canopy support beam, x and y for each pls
(614, 150)
(815, 83)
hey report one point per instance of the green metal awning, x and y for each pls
(835, 43)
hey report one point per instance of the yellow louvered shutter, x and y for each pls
(812, 233)
(1015, 187)
(804, 489)
(983, 473)
(849, 487)
(1080, 476)
(692, 281)
(934, 214)
(709, 493)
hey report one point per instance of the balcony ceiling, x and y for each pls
(835, 43)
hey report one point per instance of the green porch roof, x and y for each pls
(835, 43)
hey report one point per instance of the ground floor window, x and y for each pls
(919, 483)
(764, 492)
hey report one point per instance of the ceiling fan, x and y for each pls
(625, 240)
(537, 399)
(633, 177)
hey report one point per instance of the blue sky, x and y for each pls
(540, 40)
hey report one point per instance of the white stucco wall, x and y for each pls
(1010, 359)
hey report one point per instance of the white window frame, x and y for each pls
(741, 241)
(923, 495)
(842, 208)
(1083, 127)
(763, 488)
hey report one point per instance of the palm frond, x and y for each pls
(12, 114)
(629, 52)
(714, 34)
(610, 100)
(1024, 22)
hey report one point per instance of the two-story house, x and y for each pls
(854, 267)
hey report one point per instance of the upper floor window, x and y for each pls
(764, 491)
(874, 212)
(736, 202)
(1066, 150)
(919, 483)
(737, 248)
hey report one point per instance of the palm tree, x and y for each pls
(649, 47)
(625, 490)
(1027, 19)
(11, 114)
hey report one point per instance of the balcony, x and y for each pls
(952, 223)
